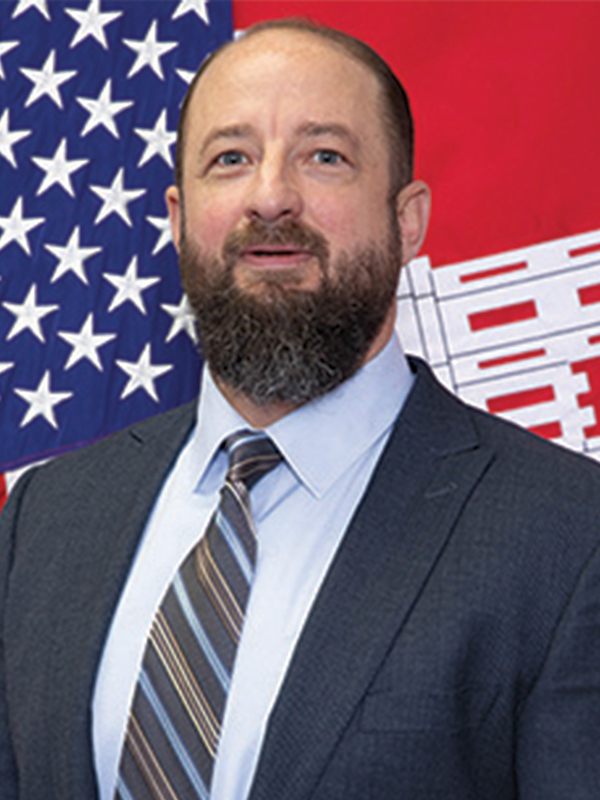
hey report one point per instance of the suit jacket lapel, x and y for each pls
(421, 483)
(144, 455)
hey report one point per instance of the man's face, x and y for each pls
(286, 178)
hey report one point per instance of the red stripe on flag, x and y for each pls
(584, 251)
(549, 430)
(492, 273)
(591, 368)
(588, 295)
(594, 339)
(499, 362)
(504, 315)
(515, 400)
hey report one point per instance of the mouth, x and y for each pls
(275, 256)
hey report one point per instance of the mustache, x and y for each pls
(288, 233)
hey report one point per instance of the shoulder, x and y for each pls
(526, 511)
(451, 417)
(156, 433)
(109, 468)
(526, 478)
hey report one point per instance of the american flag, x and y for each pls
(94, 330)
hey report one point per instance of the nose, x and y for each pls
(273, 194)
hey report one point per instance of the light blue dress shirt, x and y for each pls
(301, 511)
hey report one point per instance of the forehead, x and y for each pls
(281, 74)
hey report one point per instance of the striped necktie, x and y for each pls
(175, 719)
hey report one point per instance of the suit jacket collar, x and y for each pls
(425, 475)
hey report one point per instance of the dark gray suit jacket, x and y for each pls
(453, 652)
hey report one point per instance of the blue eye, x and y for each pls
(328, 157)
(232, 158)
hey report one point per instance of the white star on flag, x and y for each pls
(6, 47)
(129, 287)
(8, 138)
(39, 5)
(115, 199)
(28, 315)
(42, 401)
(183, 319)
(149, 52)
(92, 23)
(46, 81)
(158, 140)
(16, 227)
(142, 374)
(185, 6)
(85, 343)
(5, 366)
(58, 169)
(186, 75)
(71, 257)
(162, 224)
(103, 110)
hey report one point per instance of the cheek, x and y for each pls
(337, 218)
(208, 223)
(350, 218)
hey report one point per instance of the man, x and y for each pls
(424, 618)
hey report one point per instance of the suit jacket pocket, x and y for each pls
(417, 711)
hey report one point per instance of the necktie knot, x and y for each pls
(251, 455)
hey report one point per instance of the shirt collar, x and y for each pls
(323, 438)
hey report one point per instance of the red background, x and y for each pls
(505, 97)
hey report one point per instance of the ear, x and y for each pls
(413, 206)
(173, 199)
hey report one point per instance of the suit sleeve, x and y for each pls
(8, 769)
(558, 755)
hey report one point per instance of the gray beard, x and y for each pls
(288, 345)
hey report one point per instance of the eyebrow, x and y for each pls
(228, 132)
(308, 129)
(316, 129)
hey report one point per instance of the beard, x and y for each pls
(280, 343)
